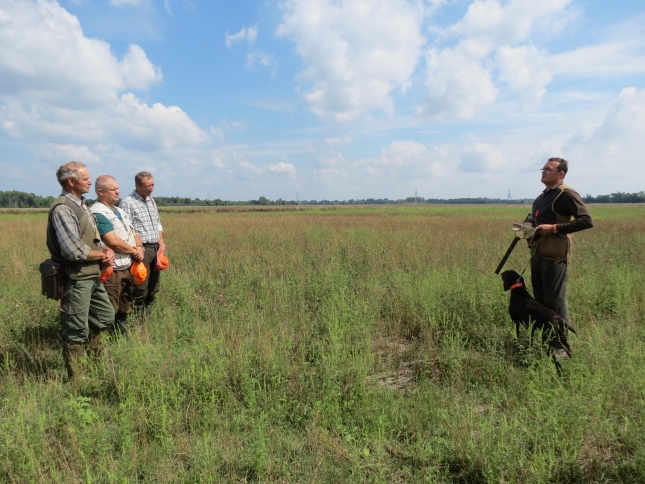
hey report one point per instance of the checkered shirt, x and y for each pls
(66, 226)
(144, 216)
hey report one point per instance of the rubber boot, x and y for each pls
(73, 356)
(120, 327)
(96, 341)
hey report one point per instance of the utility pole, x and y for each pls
(416, 199)
(509, 193)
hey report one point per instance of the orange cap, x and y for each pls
(106, 273)
(162, 261)
(139, 271)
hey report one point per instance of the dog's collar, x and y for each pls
(517, 284)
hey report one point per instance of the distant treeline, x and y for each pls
(15, 199)
(617, 197)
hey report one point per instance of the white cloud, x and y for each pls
(155, 127)
(404, 159)
(610, 59)
(46, 56)
(330, 158)
(138, 71)
(282, 168)
(458, 85)
(355, 52)
(217, 133)
(248, 34)
(59, 84)
(217, 160)
(403, 153)
(525, 69)
(343, 140)
(460, 77)
(497, 24)
(260, 58)
(329, 175)
(481, 158)
(249, 169)
(612, 152)
(68, 152)
(129, 3)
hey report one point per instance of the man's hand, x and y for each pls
(544, 229)
(162, 247)
(139, 254)
(108, 256)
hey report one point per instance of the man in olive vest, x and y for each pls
(73, 240)
(117, 232)
(557, 213)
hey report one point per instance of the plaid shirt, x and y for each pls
(65, 225)
(144, 216)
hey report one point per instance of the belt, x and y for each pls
(150, 244)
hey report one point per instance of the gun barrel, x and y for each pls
(507, 255)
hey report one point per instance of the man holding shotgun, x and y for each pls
(556, 214)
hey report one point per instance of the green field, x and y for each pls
(363, 344)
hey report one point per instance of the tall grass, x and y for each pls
(354, 345)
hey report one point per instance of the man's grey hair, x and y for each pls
(102, 182)
(562, 164)
(138, 178)
(67, 171)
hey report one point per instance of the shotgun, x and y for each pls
(529, 218)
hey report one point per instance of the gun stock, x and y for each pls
(511, 247)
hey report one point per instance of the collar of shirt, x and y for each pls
(136, 196)
(74, 198)
(547, 190)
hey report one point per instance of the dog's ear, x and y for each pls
(507, 279)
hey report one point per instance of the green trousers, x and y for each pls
(85, 305)
(549, 281)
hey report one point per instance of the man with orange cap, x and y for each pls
(117, 232)
(142, 210)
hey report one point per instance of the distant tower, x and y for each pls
(297, 199)
(509, 193)
(416, 199)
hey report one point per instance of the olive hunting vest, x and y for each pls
(75, 270)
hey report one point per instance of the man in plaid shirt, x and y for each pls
(72, 239)
(142, 211)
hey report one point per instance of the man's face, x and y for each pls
(550, 173)
(84, 183)
(109, 194)
(147, 187)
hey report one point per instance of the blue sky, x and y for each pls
(331, 99)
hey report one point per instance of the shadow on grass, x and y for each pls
(34, 352)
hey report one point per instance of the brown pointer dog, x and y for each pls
(526, 310)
